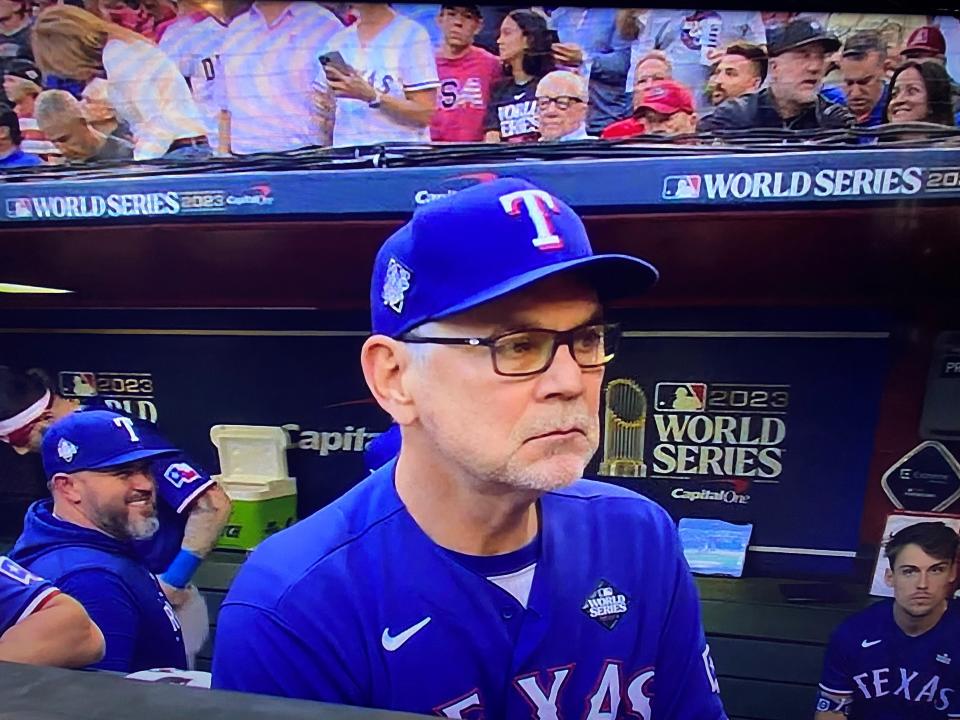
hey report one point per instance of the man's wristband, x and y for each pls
(182, 568)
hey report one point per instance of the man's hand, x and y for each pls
(567, 54)
(349, 85)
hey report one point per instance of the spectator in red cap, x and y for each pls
(925, 43)
(664, 107)
(651, 67)
(667, 108)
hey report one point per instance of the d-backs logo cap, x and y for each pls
(96, 439)
(481, 243)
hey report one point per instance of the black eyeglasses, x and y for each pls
(563, 102)
(531, 352)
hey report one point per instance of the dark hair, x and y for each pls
(754, 53)
(935, 538)
(864, 42)
(18, 391)
(538, 57)
(937, 82)
(9, 120)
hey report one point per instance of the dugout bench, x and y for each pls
(768, 652)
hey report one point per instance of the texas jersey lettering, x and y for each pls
(881, 673)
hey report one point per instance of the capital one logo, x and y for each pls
(539, 206)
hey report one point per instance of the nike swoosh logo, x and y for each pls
(870, 644)
(519, 97)
(395, 642)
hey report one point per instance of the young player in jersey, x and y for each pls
(39, 625)
(477, 575)
(900, 659)
(193, 510)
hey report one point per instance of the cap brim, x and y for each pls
(613, 276)
(662, 109)
(129, 457)
(830, 44)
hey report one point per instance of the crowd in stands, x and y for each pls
(87, 80)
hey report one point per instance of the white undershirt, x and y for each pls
(517, 583)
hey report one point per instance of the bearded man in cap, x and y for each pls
(478, 574)
(104, 498)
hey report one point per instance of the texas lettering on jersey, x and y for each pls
(542, 690)
(910, 685)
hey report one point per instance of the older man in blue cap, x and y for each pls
(104, 499)
(477, 575)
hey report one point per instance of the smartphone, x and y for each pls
(554, 37)
(335, 59)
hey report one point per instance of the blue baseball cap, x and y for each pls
(96, 439)
(481, 243)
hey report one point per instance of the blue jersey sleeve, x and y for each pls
(21, 592)
(257, 652)
(686, 683)
(111, 606)
(836, 677)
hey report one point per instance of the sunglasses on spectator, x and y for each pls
(563, 102)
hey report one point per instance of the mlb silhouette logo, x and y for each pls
(19, 208)
(681, 187)
(682, 397)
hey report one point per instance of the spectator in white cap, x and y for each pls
(562, 106)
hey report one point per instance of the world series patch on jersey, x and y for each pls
(874, 671)
(611, 627)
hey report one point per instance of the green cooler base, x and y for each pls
(252, 521)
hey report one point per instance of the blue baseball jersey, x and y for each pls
(357, 605)
(21, 592)
(179, 482)
(104, 575)
(889, 675)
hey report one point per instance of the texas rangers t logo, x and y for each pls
(539, 206)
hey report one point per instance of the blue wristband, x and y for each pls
(182, 568)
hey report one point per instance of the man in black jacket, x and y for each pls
(798, 57)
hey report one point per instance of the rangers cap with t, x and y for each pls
(484, 242)
(97, 439)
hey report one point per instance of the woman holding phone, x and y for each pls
(525, 48)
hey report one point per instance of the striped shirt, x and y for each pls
(398, 60)
(147, 90)
(265, 78)
(34, 141)
(193, 43)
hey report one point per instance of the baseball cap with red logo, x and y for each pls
(666, 97)
(924, 41)
(482, 243)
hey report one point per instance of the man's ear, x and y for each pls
(386, 366)
(66, 486)
(888, 577)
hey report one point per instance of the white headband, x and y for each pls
(25, 417)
